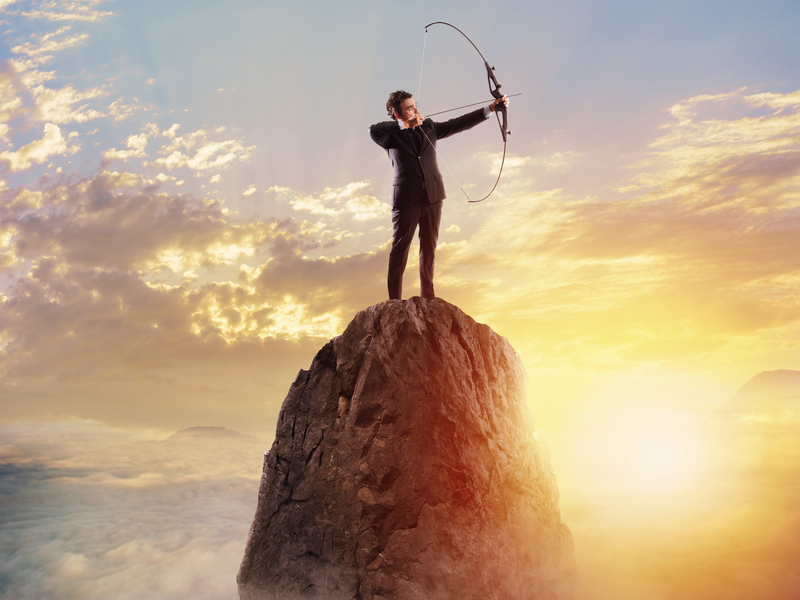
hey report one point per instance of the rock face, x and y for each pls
(405, 467)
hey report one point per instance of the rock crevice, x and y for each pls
(405, 466)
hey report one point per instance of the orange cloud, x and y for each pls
(704, 257)
(118, 282)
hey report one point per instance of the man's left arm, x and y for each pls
(459, 124)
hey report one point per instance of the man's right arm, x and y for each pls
(382, 133)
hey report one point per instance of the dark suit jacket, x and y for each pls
(412, 167)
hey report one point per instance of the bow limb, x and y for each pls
(500, 108)
(496, 181)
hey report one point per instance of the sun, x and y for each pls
(662, 457)
(643, 455)
(659, 455)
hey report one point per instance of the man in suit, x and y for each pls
(418, 190)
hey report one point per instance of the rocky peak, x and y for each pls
(405, 466)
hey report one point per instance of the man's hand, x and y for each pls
(493, 105)
(414, 121)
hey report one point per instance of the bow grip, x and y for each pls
(500, 109)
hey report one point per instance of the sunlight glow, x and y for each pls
(659, 455)
(643, 452)
(262, 320)
(175, 259)
(226, 254)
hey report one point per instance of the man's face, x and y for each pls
(408, 108)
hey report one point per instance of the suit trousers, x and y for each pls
(405, 221)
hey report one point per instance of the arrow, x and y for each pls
(441, 112)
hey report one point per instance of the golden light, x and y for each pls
(228, 253)
(234, 320)
(659, 455)
(643, 452)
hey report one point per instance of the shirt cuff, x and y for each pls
(486, 112)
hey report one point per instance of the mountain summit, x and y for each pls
(405, 467)
(769, 392)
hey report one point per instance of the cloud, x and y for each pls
(339, 286)
(56, 105)
(11, 105)
(41, 49)
(364, 208)
(347, 201)
(38, 151)
(203, 154)
(685, 110)
(698, 254)
(115, 281)
(24, 93)
(91, 511)
(8, 258)
(136, 145)
(751, 149)
(117, 221)
(171, 132)
(69, 10)
(121, 112)
(62, 104)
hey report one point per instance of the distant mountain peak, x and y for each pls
(207, 432)
(767, 391)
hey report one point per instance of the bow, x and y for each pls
(500, 109)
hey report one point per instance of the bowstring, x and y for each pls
(446, 165)
(421, 63)
(419, 87)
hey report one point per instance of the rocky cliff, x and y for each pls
(405, 467)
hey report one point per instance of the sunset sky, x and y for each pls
(191, 206)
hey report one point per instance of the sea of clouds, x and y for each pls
(92, 512)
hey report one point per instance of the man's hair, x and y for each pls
(395, 100)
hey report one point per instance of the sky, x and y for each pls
(191, 206)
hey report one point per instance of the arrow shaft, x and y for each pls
(441, 112)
